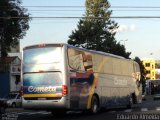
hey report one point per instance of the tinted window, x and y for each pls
(80, 60)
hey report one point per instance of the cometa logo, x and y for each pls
(33, 89)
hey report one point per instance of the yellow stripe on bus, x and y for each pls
(94, 84)
(41, 95)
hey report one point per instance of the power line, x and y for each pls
(84, 6)
(136, 10)
(83, 10)
(135, 7)
(115, 17)
(57, 10)
(54, 6)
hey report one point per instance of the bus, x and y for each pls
(61, 77)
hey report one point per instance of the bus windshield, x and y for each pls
(42, 55)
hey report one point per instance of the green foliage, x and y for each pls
(143, 72)
(97, 31)
(13, 24)
(142, 68)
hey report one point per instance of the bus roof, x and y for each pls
(64, 44)
(97, 52)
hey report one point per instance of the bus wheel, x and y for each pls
(130, 102)
(94, 105)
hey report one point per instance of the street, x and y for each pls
(79, 60)
(149, 109)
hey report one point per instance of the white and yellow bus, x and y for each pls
(61, 77)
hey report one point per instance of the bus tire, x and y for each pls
(94, 105)
(135, 101)
(131, 101)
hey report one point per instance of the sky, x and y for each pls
(140, 36)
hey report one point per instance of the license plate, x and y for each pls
(41, 98)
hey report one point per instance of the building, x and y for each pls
(10, 71)
(149, 65)
(157, 73)
(9, 75)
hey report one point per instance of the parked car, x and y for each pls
(2, 106)
(12, 100)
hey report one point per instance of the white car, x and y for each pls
(13, 100)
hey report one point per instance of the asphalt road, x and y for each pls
(148, 110)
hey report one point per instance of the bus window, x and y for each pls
(80, 60)
(116, 66)
(42, 55)
(108, 66)
(124, 67)
(131, 69)
(97, 61)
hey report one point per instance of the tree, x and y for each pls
(13, 24)
(96, 31)
(143, 72)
